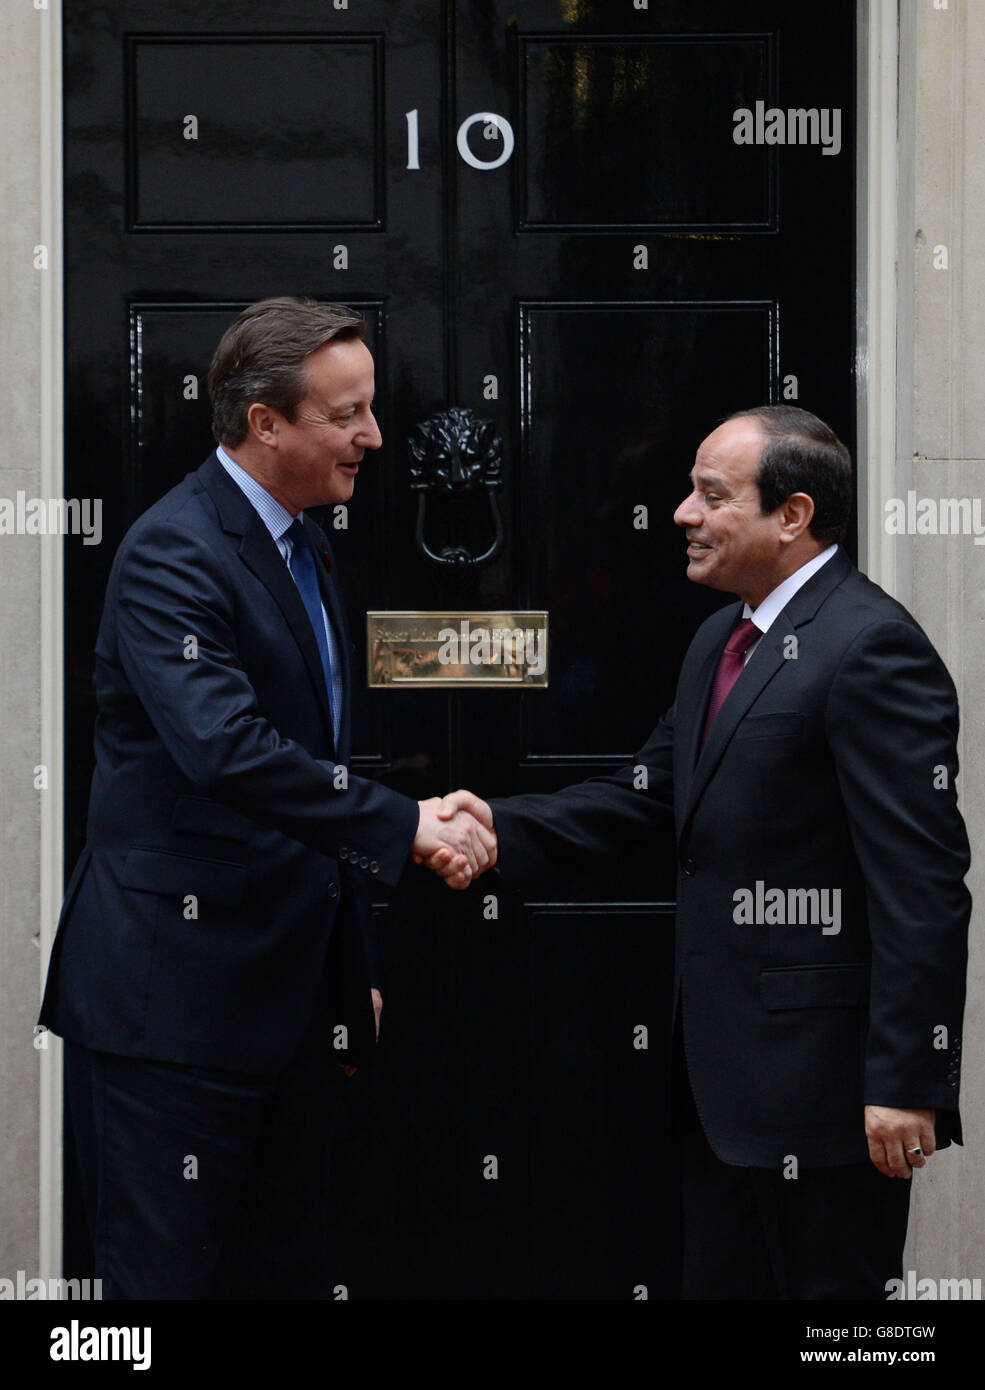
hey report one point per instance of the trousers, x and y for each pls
(753, 1234)
(201, 1183)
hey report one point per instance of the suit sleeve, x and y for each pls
(596, 820)
(892, 724)
(171, 586)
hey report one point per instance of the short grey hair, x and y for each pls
(261, 355)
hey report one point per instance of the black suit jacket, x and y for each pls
(223, 892)
(831, 766)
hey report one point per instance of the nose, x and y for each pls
(370, 437)
(689, 512)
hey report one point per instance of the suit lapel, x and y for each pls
(258, 551)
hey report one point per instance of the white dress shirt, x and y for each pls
(774, 603)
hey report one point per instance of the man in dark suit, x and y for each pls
(212, 961)
(807, 770)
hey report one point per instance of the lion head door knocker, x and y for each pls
(454, 455)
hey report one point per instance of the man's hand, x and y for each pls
(377, 1009)
(892, 1132)
(463, 800)
(453, 842)
(453, 805)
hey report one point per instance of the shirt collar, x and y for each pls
(273, 514)
(774, 603)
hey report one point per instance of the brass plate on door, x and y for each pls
(457, 650)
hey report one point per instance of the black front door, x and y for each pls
(550, 216)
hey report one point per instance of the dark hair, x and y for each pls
(803, 454)
(260, 357)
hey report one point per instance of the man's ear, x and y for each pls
(796, 515)
(264, 422)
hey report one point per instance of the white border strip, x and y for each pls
(52, 642)
(878, 231)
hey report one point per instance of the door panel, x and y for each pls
(612, 108)
(303, 151)
(543, 215)
(601, 424)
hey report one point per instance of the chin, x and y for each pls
(706, 577)
(341, 491)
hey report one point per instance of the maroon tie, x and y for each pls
(730, 667)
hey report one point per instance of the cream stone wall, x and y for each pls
(20, 626)
(942, 429)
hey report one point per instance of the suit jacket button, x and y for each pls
(364, 862)
(690, 867)
(333, 890)
(343, 853)
(374, 868)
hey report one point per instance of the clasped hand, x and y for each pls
(455, 837)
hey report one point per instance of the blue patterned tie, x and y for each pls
(302, 567)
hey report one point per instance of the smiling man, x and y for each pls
(811, 749)
(738, 536)
(212, 963)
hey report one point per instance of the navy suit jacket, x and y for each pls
(830, 767)
(223, 892)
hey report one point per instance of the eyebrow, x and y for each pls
(709, 480)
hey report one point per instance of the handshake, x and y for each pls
(455, 837)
